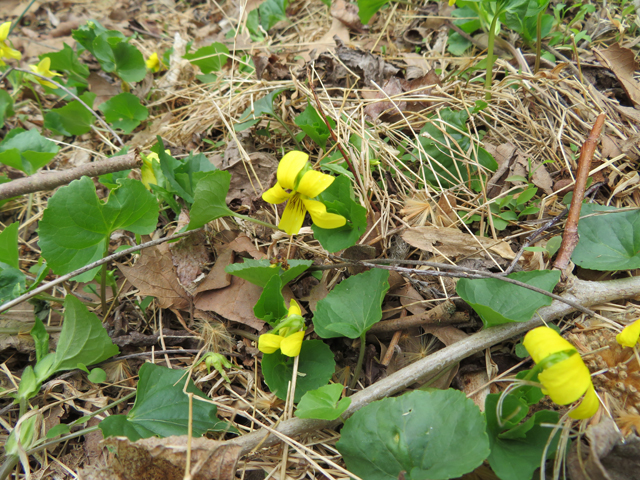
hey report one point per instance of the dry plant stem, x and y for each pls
(581, 292)
(570, 238)
(75, 97)
(536, 233)
(437, 315)
(50, 180)
(86, 268)
(358, 369)
(333, 135)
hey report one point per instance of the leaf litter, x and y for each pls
(364, 84)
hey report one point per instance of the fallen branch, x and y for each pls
(50, 180)
(86, 268)
(587, 293)
(442, 314)
(571, 238)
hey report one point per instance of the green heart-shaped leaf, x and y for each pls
(162, 408)
(76, 226)
(433, 435)
(353, 306)
(499, 302)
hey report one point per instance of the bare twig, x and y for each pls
(333, 135)
(50, 180)
(75, 97)
(86, 268)
(570, 238)
(581, 292)
(536, 233)
(437, 315)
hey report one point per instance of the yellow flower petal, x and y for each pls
(313, 183)
(8, 52)
(153, 63)
(289, 167)
(291, 345)
(544, 341)
(321, 217)
(629, 336)
(147, 175)
(452, 3)
(566, 381)
(294, 308)
(269, 343)
(4, 31)
(588, 407)
(293, 215)
(275, 194)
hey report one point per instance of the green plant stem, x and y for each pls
(356, 372)
(286, 127)
(538, 42)
(8, 465)
(79, 433)
(492, 37)
(254, 220)
(13, 25)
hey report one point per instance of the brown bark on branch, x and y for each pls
(50, 180)
(570, 238)
(443, 314)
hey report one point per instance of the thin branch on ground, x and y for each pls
(570, 238)
(91, 266)
(56, 178)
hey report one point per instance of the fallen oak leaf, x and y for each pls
(165, 459)
(621, 61)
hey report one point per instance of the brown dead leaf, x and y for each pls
(154, 275)
(189, 254)
(249, 179)
(347, 13)
(217, 278)
(165, 459)
(234, 302)
(451, 242)
(476, 383)
(622, 62)
(610, 148)
(102, 87)
(411, 299)
(370, 67)
(609, 456)
(270, 68)
(417, 87)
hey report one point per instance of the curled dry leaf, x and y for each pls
(165, 459)
(229, 296)
(347, 13)
(189, 254)
(154, 275)
(371, 68)
(421, 86)
(451, 242)
(622, 62)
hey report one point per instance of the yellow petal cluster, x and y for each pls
(153, 62)
(5, 50)
(289, 343)
(43, 69)
(566, 380)
(148, 178)
(629, 336)
(299, 185)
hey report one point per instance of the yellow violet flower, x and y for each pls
(153, 62)
(565, 379)
(452, 3)
(289, 337)
(43, 69)
(299, 184)
(629, 336)
(5, 50)
(146, 172)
